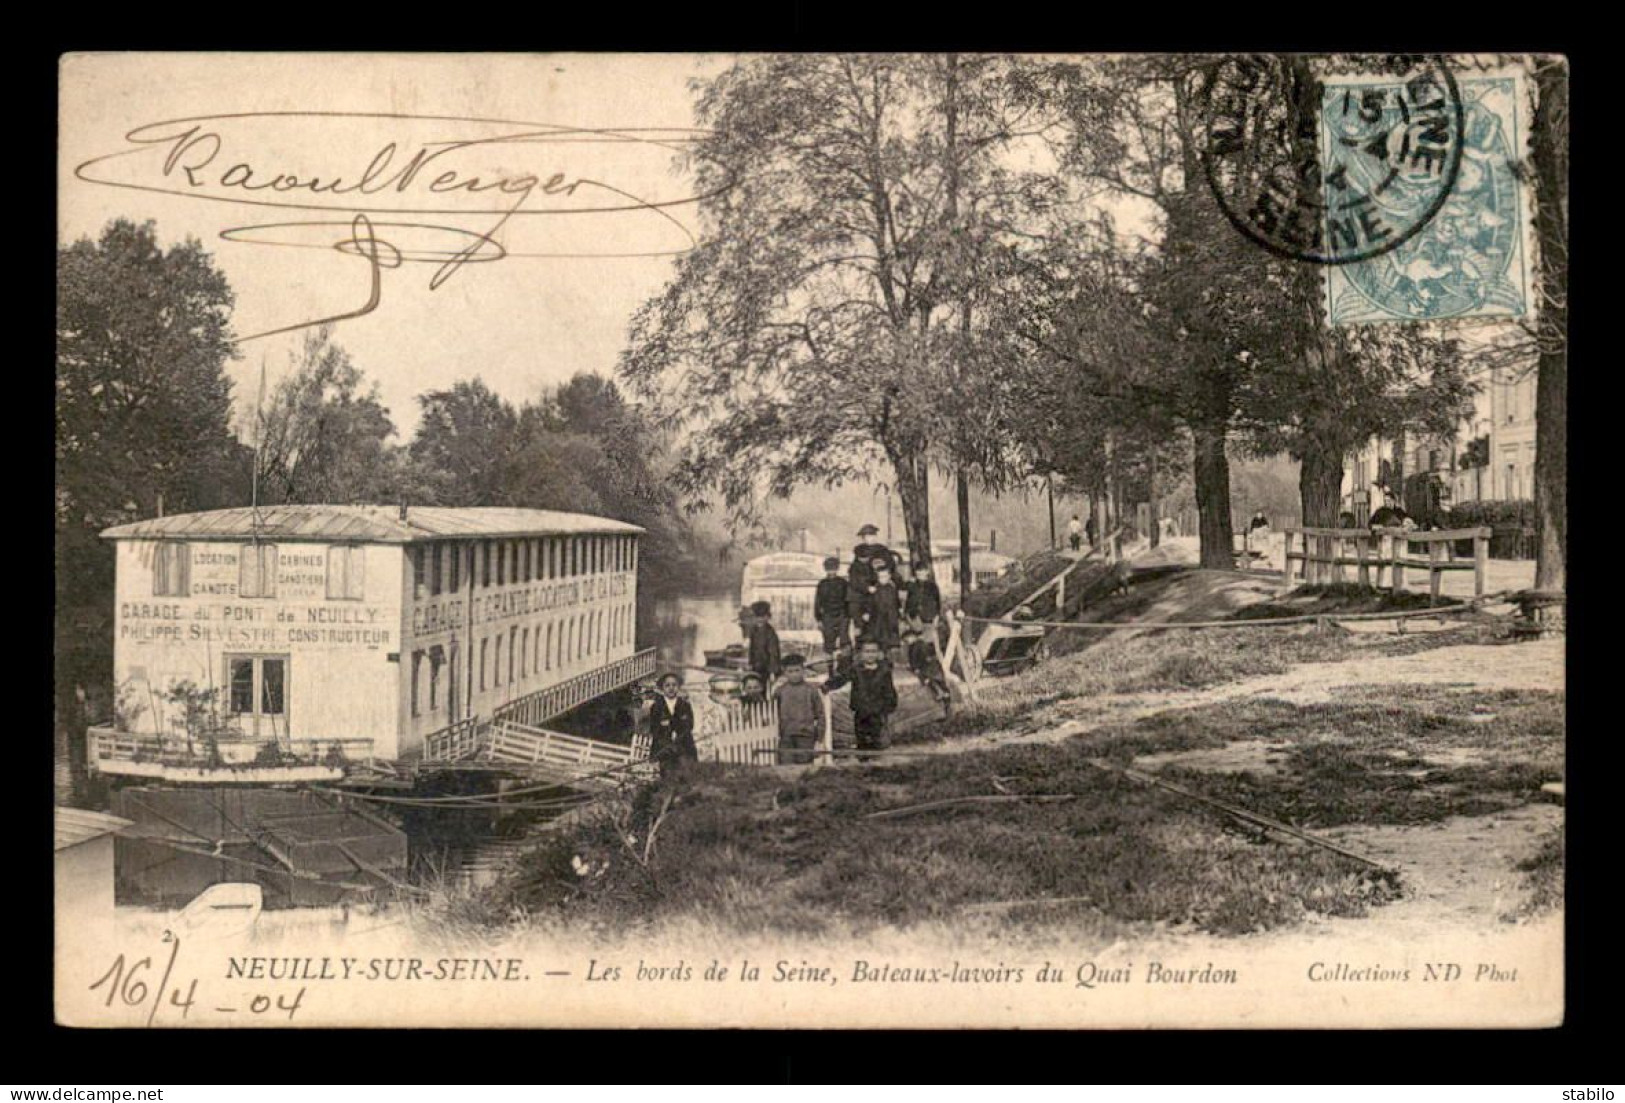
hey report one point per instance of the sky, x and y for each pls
(522, 323)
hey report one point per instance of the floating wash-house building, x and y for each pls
(286, 643)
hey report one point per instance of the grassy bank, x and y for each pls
(1339, 597)
(1174, 660)
(754, 851)
(1402, 755)
(803, 852)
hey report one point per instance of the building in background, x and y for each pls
(1490, 457)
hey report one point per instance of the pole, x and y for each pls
(1049, 482)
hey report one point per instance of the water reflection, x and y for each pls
(683, 629)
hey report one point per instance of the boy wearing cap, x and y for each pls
(830, 606)
(671, 727)
(765, 660)
(801, 714)
(863, 559)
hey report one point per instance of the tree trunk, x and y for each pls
(1110, 495)
(1396, 488)
(1212, 475)
(914, 494)
(1320, 487)
(1049, 487)
(1098, 516)
(962, 492)
(1154, 507)
(1551, 159)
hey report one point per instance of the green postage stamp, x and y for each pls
(1472, 257)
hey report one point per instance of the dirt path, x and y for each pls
(1537, 665)
(1458, 873)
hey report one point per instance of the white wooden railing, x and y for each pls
(741, 735)
(572, 759)
(538, 708)
(108, 749)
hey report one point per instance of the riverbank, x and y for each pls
(1416, 747)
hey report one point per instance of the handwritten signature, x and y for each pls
(286, 160)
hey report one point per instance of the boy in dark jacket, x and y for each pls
(765, 660)
(874, 697)
(671, 727)
(863, 556)
(830, 606)
(922, 660)
(885, 608)
(924, 602)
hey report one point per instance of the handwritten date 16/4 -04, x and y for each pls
(130, 983)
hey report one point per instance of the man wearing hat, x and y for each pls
(831, 606)
(863, 571)
(765, 659)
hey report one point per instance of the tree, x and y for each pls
(142, 424)
(1129, 138)
(143, 405)
(986, 107)
(322, 437)
(799, 337)
(1550, 134)
(580, 449)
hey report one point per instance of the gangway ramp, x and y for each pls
(573, 760)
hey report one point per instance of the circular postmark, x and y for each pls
(1335, 168)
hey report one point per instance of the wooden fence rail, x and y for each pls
(1324, 553)
(543, 705)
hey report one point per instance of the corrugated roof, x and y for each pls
(369, 524)
(75, 826)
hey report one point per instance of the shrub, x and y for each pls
(1518, 512)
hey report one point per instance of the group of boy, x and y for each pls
(800, 710)
(879, 608)
(881, 599)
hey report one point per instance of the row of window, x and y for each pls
(257, 570)
(437, 568)
(441, 567)
(522, 652)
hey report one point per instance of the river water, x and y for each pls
(472, 848)
(683, 629)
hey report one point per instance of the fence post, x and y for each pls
(828, 757)
(1401, 548)
(1435, 575)
(1481, 556)
(1364, 575)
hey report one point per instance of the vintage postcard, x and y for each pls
(810, 540)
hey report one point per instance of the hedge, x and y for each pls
(1518, 512)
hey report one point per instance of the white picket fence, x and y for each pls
(740, 734)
